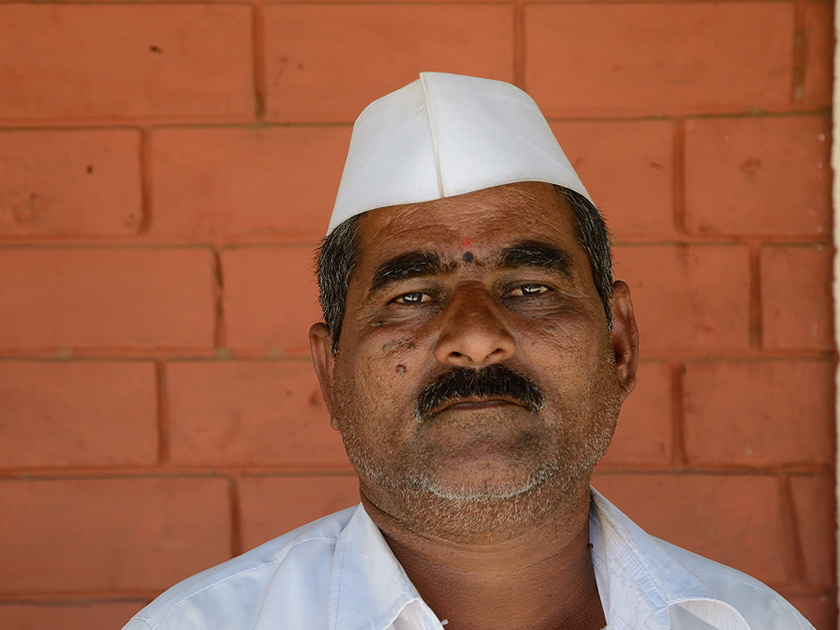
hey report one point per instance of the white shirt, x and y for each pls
(338, 573)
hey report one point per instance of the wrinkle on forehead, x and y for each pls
(453, 212)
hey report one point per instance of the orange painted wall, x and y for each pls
(167, 168)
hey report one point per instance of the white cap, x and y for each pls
(445, 135)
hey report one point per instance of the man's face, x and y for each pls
(482, 308)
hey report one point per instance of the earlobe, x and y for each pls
(625, 336)
(320, 346)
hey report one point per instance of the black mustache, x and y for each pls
(493, 381)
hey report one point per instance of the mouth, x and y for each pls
(475, 404)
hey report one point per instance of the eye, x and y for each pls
(415, 297)
(529, 290)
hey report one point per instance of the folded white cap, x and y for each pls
(445, 135)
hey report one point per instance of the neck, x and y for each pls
(538, 578)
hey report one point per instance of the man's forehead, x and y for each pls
(511, 226)
(534, 206)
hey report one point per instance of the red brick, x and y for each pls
(644, 432)
(246, 181)
(271, 298)
(250, 412)
(764, 175)
(658, 58)
(328, 61)
(692, 297)
(72, 616)
(759, 413)
(819, 42)
(77, 413)
(92, 298)
(271, 506)
(814, 498)
(110, 534)
(87, 61)
(796, 297)
(729, 518)
(70, 182)
(820, 610)
(628, 169)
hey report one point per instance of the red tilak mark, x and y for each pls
(467, 242)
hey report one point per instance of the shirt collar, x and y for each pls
(369, 589)
(639, 580)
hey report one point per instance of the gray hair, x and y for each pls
(339, 252)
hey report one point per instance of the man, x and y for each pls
(474, 357)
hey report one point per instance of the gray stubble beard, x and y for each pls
(421, 503)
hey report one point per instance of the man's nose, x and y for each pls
(473, 333)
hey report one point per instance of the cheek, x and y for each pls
(563, 340)
(381, 372)
(398, 353)
(567, 358)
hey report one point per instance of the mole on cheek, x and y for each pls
(400, 369)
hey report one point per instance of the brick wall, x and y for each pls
(167, 168)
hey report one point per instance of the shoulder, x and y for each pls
(286, 575)
(648, 576)
(760, 606)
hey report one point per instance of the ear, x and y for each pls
(320, 346)
(625, 337)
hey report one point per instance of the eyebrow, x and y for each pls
(534, 254)
(420, 264)
(407, 266)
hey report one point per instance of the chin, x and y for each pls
(484, 494)
(502, 484)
